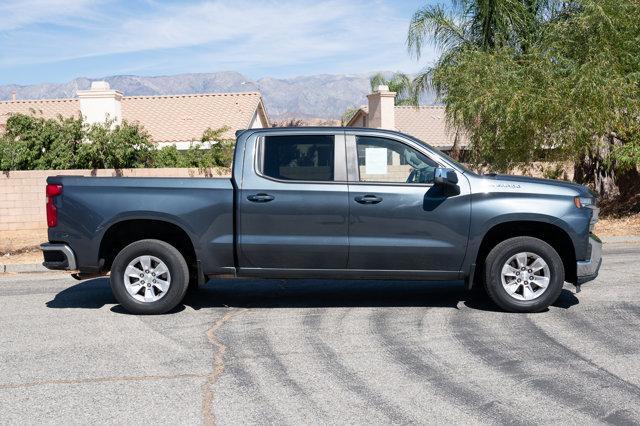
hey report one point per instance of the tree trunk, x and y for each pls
(456, 151)
(618, 189)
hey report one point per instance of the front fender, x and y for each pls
(491, 210)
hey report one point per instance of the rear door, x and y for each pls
(293, 202)
(399, 220)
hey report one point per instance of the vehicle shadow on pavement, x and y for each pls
(96, 293)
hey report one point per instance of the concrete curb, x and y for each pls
(37, 267)
(22, 268)
(623, 239)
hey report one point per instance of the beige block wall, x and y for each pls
(22, 200)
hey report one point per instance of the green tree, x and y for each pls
(220, 153)
(348, 115)
(477, 25)
(402, 84)
(483, 24)
(169, 156)
(121, 146)
(213, 150)
(560, 83)
(32, 142)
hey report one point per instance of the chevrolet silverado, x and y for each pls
(334, 203)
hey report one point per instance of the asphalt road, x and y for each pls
(319, 352)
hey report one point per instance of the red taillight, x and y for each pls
(52, 191)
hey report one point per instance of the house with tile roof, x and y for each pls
(427, 123)
(170, 120)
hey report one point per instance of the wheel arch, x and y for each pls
(550, 232)
(128, 230)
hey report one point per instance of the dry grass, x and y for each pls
(622, 227)
(25, 257)
(19, 241)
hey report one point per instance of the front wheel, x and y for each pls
(149, 277)
(524, 274)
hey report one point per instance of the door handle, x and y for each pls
(260, 198)
(368, 199)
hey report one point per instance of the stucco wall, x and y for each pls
(22, 200)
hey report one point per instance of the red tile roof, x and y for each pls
(47, 108)
(174, 118)
(427, 123)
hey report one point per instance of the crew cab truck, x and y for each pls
(339, 203)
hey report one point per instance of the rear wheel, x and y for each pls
(524, 274)
(149, 277)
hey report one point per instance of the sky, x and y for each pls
(58, 40)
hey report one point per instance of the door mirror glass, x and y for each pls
(445, 176)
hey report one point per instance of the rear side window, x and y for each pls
(299, 157)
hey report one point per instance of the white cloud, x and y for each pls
(15, 14)
(232, 35)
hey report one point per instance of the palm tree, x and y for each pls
(476, 24)
(402, 84)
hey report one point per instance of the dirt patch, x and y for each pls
(28, 256)
(19, 241)
(621, 207)
(619, 227)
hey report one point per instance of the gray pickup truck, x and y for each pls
(335, 203)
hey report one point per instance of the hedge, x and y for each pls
(35, 143)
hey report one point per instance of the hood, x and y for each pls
(531, 183)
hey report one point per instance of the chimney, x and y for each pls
(382, 108)
(100, 103)
(13, 96)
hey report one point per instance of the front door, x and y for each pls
(293, 203)
(399, 220)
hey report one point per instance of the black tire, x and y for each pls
(497, 258)
(167, 254)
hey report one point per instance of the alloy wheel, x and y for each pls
(147, 279)
(525, 276)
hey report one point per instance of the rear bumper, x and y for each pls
(58, 257)
(587, 270)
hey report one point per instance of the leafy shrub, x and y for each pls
(118, 147)
(213, 150)
(31, 143)
(221, 150)
(169, 156)
(37, 143)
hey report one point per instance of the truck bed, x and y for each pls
(90, 206)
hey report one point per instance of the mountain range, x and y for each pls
(323, 96)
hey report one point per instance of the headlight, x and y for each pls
(581, 202)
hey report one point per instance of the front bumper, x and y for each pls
(587, 270)
(58, 257)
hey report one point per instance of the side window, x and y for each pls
(299, 157)
(387, 160)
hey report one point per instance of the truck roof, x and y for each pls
(320, 128)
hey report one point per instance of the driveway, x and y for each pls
(319, 352)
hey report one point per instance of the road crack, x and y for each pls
(218, 366)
